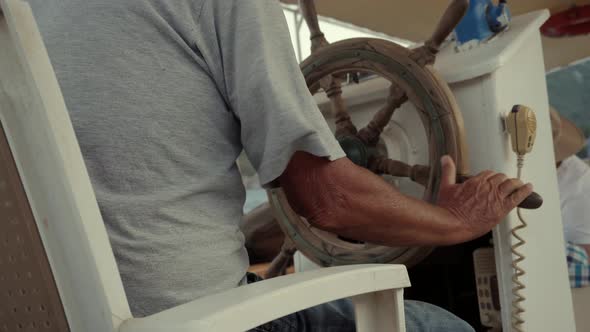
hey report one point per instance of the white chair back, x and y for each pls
(41, 144)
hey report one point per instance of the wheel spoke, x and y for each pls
(447, 23)
(421, 175)
(344, 125)
(417, 173)
(279, 264)
(370, 134)
(426, 54)
(310, 15)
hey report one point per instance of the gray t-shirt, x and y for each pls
(163, 96)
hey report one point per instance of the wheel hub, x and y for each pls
(356, 150)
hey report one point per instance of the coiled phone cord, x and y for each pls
(518, 272)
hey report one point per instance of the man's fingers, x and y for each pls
(519, 195)
(509, 186)
(449, 171)
(484, 176)
(497, 179)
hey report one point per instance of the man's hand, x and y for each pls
(348, 200)
(482, 201)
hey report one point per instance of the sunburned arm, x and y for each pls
(350, 201)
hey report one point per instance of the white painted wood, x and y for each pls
(249, 306)
(492, 55)
(48, 158)
(484, 100)
(383, 311)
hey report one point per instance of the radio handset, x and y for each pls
(521, 124)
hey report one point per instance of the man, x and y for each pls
(164, 95)
(573, 177)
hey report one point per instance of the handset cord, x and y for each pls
(518, 272)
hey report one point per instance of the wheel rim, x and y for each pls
(440, 119)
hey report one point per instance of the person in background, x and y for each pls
(573, 177)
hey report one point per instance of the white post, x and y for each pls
(380, 311)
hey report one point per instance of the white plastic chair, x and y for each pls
(58, 267)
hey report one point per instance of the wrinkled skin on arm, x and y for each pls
(350, 201)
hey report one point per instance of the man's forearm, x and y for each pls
(350, 201)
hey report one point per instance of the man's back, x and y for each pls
(158, 142)
(142, 107)
(162, 103)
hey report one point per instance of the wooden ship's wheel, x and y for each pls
(413, 80)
